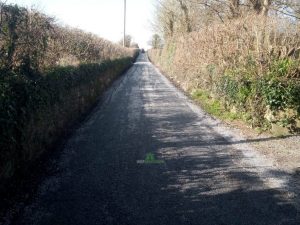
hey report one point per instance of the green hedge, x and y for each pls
(35, 113)
(278, 90)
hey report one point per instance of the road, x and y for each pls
(202, 173)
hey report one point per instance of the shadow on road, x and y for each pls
(202, 181)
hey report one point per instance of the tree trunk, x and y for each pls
(235, 8)
(185, 10)
(265, 7)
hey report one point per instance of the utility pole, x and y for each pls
(124, 23)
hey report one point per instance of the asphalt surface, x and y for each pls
(200, 175)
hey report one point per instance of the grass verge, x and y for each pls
(213, 106)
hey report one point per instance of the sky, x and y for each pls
(101, 17)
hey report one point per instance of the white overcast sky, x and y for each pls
(101, 17)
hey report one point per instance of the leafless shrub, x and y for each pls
(223, 46)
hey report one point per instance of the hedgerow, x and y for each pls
(49, 77)
(250, 64)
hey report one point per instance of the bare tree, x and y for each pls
(156, 41)
(127, 42)
(185, 10)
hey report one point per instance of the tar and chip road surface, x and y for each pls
(202, 173)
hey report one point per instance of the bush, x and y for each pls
(36, 113)
(49, 77)
(251, 64)
(32, 42)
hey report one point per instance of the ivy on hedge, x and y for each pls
(277, 89)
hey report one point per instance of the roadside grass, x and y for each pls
(213, 106)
